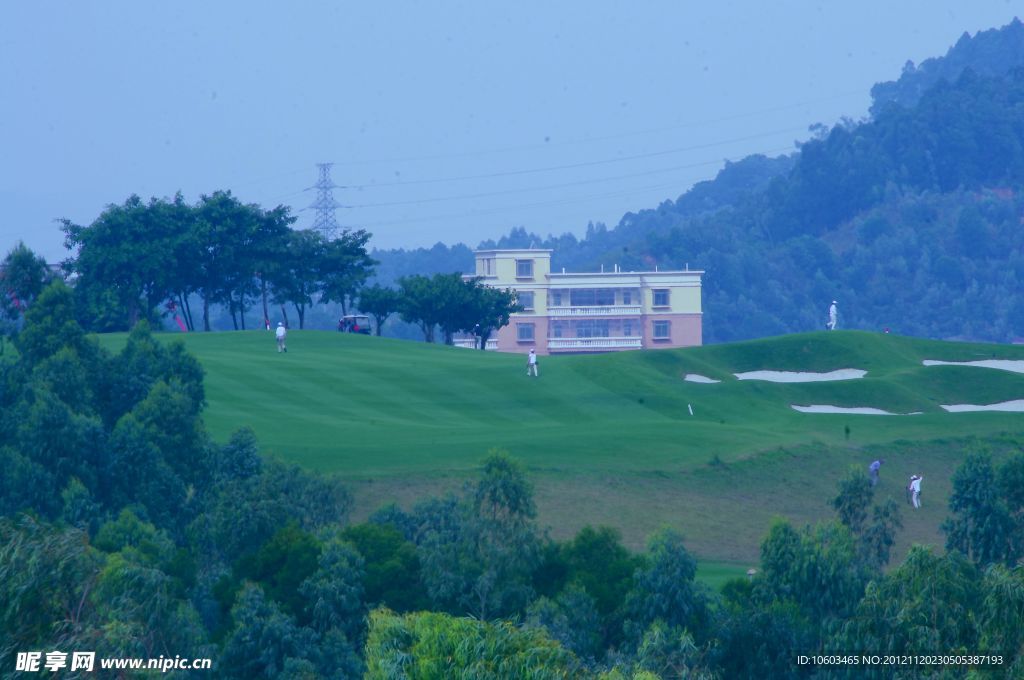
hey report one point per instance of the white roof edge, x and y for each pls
(622, 273)
(512, 250)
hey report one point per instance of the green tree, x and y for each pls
(270, 241)
(818, 568)
(295, 278)
(982, 525)
(126, 250)
(333, 593)
(1001, 618)
(489, 310)
(23, 275)
(571, 619)
(854, 499)
(480, 556)
(596, 560)
(46, 576)
(419, 304)
(664, 588)
(433, 645)
(392, 569)
(50, 325)
(671, 654)
(380, 303)
(878, 537)
(454, 300)
(345, 267)
(928, 602)
(281, 565)
(263, 638)
(227, 231)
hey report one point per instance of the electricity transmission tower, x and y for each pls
(324, 205)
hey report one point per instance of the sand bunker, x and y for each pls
(855, 410)
(698, 378)
(1015, 405)
(796, 377)
(1015, 365)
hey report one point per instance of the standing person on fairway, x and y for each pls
(281, 334)
(531, 364)
(915, 490)
(832, 317)
(873, 470)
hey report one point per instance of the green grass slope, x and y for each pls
(609, 438)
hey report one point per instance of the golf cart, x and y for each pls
(354, 323)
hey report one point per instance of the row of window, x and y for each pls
(593, 297)
(660, 330)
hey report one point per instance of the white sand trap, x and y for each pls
(1015, 365)
(1015, 405)
(854, 410)
(796, 377)
(698, 378)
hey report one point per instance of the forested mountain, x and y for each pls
(989, 53)
(910, 218)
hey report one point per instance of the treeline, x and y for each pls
(910, 218)
(139, 259)
(448, 303)
(126, 530)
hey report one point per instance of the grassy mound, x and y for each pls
(609, 438)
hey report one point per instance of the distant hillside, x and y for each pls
(911, 218)
(995, 52)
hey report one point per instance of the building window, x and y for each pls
(592, 328)
(556, 329)
(556, 298)
(525, 300)
(524, 332)
(524, 269)
(627, 328)
(661, 297)
(662, 330)
(627, 297)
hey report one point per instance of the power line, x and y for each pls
(563, 185)
(576, 142)
(585, 164)
(578, 199)
(621, 135)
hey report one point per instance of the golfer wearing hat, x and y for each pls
(531, 364)
(281, 334)
(831, 325)
(915, 490)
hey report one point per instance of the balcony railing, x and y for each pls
(595, 343)
(470, 343)
(613, 310)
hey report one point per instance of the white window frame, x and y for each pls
(661, 324)
(520, 327)
(519, 298)
(519, 274)
(655, 292)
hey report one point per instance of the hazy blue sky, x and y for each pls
(448, 121)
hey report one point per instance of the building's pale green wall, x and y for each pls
(683, 300)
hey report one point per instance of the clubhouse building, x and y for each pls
(602, 311)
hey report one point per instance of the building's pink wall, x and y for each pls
(506, 336)
(686, 330)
